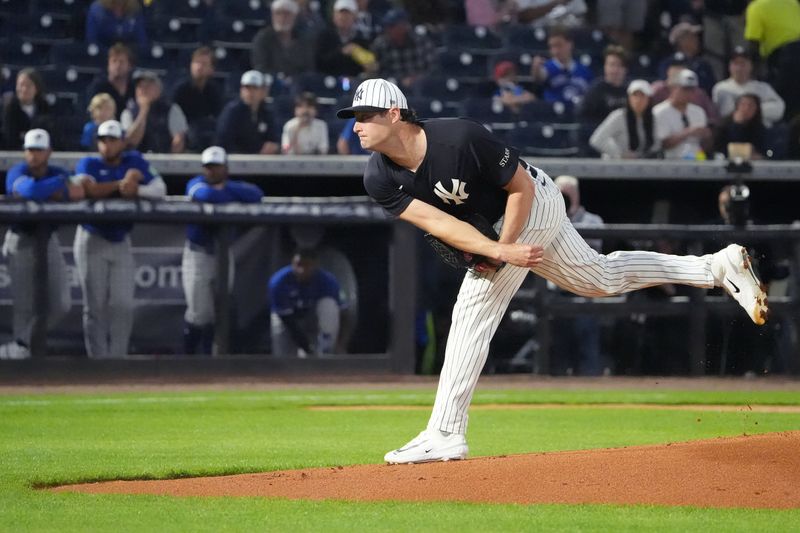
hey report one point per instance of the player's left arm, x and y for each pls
(244, 192)
(152, 185)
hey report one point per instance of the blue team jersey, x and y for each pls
(199, 190)
(95, 167)
(566, 84)
(287, 296)
(21, 184)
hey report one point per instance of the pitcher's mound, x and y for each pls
(750, 471)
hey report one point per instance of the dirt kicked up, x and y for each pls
(760, 471)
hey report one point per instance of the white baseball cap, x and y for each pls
(685, 78)
(285, 5)
(375, 95)
(37, 139)
(252, 78)
(349, 5)
(214, 155)
(110, 128)
(642, 86)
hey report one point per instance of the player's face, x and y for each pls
(303, 268)
(110, 147)
(372, 129)
(37, 158)
(215, 173)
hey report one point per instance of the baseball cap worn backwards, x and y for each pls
(375, 95)
(214, 155)
(110, 128)
(37, 139)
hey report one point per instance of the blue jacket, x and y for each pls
(21, 184)
(199, 190)
(287, 296)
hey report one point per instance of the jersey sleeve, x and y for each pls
(86, 167)
(496, 161)
(279, 300)
(381, 188)
(28, 187)
(198, 190)
(149, 172)
(244, 192)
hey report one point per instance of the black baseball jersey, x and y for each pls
(463, 172)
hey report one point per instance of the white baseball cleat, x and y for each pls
(430, 445)
(733, 271)
(14, 351)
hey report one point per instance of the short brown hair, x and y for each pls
(560, 31)
(308, 98)
(618, 51)
(205, 51)
(121, 49)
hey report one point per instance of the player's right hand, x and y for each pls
(523, 255)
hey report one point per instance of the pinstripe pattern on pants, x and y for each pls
(568, 262)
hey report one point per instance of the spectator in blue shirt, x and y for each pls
(35, 180)
(563, 79)
(246, 126)
(199, 264)
(101, 108)
(102, 252)
(116, 21)
(348, 142)
(305, 303)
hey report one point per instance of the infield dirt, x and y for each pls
(758, 471)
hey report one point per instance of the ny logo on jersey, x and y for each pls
(457, 194)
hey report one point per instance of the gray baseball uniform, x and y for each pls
(104, 259)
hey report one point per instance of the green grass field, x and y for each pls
(60, 438)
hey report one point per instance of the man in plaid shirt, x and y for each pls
(401, 53)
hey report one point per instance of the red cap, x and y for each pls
(503, 69)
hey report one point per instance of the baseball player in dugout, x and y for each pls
(438, 173)
(199, 263)
(103, 254)
(35, 180)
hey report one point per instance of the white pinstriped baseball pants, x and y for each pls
(568, 262)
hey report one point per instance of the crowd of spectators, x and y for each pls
(183, 75)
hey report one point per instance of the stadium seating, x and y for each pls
(20, 52)
(450, 91)
(471, 39)
(79, 55)
(546, 140)
(463, 66)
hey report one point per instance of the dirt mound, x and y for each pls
(761, 471)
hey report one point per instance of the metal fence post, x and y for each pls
(222, 297)
(41, 304)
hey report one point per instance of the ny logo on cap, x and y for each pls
(359, 94)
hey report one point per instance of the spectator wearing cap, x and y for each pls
(663, 88)
(116, 21)
(103, 254)
(773, 27)
(281, 48)
(199, 262)
(510, 93)
(629, 132)
(101, 108)
(117, 80)
(35, 180)
(305, 134)
(246, 126)
(741, 82)
(26, 110)
(200, 98)
(342, 50)
(607, 94)
(743, 125)
(563, 79)
(153, 124)
(685, 40)
(401, 53)
(681, 126)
